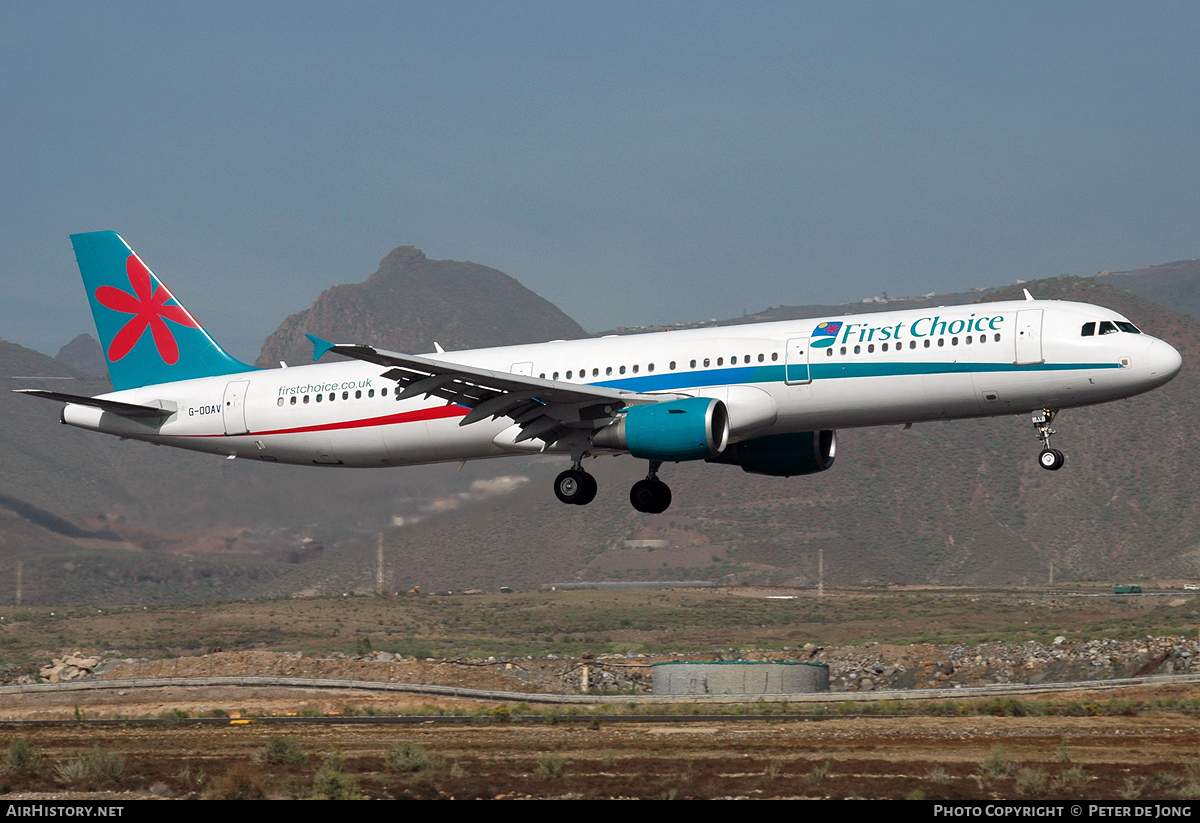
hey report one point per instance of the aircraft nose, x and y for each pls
(1164, 361)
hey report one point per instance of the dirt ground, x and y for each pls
(1150, 754)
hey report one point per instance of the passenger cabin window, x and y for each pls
(775, 355)
(1089, 329)
(693, 365)
(672, 365)
(622, 370)
(370, 392)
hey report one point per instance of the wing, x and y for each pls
(146, 413)
(545, 409)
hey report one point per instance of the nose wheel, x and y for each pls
(1049, 459)
(651, 495)
(575, 487)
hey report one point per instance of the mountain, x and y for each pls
(412, 302)
(960, 502)
(1173, 284)
(97, 520)
(84, 353)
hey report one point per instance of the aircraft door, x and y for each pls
(234, 408)
(521, 368)
(1029, 338)
(796, 371)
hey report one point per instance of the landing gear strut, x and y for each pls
(1048, 458)
(575, 486)
(651, 496)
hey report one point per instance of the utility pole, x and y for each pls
(820, 572)
(379, 564)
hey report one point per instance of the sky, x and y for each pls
(633, 163)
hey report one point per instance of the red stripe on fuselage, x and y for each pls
(435, 413)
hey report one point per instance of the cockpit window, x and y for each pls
(1108, 328)
(1128, 327)
(1089, 329)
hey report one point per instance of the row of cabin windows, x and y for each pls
(1108, 327)
(912, 344)
(733, 361)
(332, 396)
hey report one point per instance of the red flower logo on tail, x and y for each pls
(146, 304)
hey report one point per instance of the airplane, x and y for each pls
(767, 397)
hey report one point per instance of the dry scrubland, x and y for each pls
(569, 623)
(1141, 742)
(1151, 755)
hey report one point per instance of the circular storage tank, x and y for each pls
(742, 678)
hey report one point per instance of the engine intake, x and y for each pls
(693, 429)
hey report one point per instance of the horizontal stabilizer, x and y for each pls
(112, 406)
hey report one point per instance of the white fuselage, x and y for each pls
(976, 360)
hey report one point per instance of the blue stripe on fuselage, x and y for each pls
(823, 371)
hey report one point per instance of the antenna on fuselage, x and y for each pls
(1028, 296)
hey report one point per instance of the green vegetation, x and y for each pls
(97, 766)
(22, 755)
(405, 757)
(332, 782)
(283, 751)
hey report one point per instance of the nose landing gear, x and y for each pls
(1049, 459)
(651, 495)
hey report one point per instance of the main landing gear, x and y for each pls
(575, 486)
(1049, 459)
(651, 496)
(578, 488)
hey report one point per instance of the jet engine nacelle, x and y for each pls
(693, 429)
(783, 455)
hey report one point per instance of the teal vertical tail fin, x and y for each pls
(147, 335)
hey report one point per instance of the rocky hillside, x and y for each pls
(412, 302)
(957, 502)
(1173, 284)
